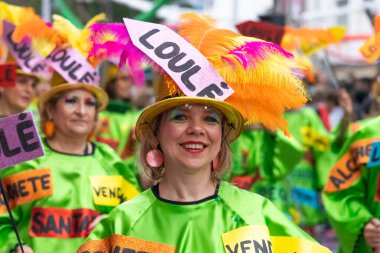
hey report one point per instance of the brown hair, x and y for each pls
(49, 104)
(146, 145)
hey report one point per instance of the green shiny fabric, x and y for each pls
(267, 159)
(351, 208)
(195, 227)
(309, 175)
(71, 190)
(116, 124)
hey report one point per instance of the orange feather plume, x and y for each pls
(261, 73)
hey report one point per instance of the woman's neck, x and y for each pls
(65, 144)
(6, 110)
(184, 187)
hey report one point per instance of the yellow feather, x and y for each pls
(264, 89)
(77, 38)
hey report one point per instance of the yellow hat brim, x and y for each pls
(233, 116)
(98, 92)
(21, 72)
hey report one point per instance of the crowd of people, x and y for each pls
(264, 161)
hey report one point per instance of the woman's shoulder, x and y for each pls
(244, 202)
(103, 152)
(234, 193)
(131, 210)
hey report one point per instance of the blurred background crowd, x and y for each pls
(334, 42)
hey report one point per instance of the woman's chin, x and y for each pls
(77, 133)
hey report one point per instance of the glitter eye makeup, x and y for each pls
(91, 102)
(176, 114)
(71, 100)
(213, 117)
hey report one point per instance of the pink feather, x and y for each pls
(113, 41)
(257, 51)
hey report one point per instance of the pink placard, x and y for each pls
(19, 140)
(29, 61)
(72, 66)
(192, 72)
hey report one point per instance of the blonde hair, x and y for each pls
(156, 174)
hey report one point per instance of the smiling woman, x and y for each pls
(184, 145)
(16, 99)
(58, 198)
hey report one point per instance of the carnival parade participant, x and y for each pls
(184, 146)
(57, 199)
(267, 158)
(117, 122)
(351, 193)
(32, 69)
(16, 99)
(119, 118)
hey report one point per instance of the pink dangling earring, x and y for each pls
(155, 158)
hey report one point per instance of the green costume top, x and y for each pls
(231, 220)
(116, 127)
(309, 175)
(351, 196)
(55, 197)
(266, 159)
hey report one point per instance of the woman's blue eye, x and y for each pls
(180, 117)
(177, 114)
(213, 118)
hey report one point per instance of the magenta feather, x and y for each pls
(257, 51)
(113, 41)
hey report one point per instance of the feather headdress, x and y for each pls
(112, 42)
(260, 73)
(31, 26)
(12, 14)
(77, 38)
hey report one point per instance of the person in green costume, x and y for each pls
(16, 99)
(351, 193)
(57, 198)
(266, 159)
(184, 146)
(118, 120)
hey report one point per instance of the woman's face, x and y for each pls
(20, 96)
(190, 136)
(74, 113)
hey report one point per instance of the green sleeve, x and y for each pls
(347, 214)
(280, 225)
(346, 208)
(8, 239)
(288, 152)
